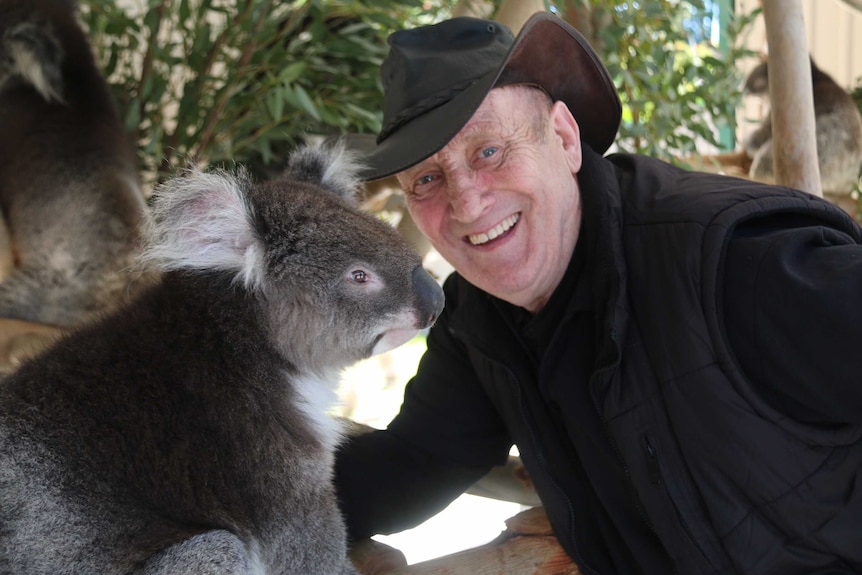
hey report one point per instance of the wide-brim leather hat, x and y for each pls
(435, 78)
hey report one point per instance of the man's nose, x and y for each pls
(466, 196)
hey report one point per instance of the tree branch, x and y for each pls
(208, 131)
(147, 63)
(196, 85)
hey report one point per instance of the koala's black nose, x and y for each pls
(428, 297)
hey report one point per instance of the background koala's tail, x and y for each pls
(35, 54)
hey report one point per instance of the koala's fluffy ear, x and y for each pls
(204, 221)
(329, 166)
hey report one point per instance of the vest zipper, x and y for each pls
(654, 474)
(617, 452)
(653, 468)
(540, 457)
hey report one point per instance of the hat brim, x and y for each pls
(547, 52)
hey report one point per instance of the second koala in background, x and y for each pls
(838, 128)
(69, 190)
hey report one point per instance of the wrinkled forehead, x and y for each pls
(507, 112)
(504, 109)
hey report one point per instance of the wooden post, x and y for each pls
(473, 8)
(794, 145)
(513, 13)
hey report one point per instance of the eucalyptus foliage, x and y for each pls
(224, 81)
(675, 69)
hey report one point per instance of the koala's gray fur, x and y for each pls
(838, 131)
(69, 189)
(186, 432)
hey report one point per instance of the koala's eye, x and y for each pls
(362, 279)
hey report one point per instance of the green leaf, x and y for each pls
(305, 102)
(292, 72)
(275, 104)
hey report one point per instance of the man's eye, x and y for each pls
(488, 152)
(424, 180)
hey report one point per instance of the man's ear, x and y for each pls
(566, 128)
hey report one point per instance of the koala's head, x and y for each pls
(334, 283)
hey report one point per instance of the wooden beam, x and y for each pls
(508, 482)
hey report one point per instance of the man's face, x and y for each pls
(501, 201)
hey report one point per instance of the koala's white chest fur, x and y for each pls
(317, 396)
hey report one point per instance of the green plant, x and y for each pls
(240, 81)
(224, 81)
(678, 87)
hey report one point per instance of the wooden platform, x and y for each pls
(527, 547)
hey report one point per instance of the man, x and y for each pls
(673, 353)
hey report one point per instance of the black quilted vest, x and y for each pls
(730, 485)
(727, 483)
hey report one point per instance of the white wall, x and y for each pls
(833, 35)
(834, 39)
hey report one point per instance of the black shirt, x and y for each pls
(569, 324)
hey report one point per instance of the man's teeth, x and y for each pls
(502, 227)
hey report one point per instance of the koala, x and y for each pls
(186, 432)
(838, 132)
(70, 195)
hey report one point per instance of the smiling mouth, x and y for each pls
(495, 232)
